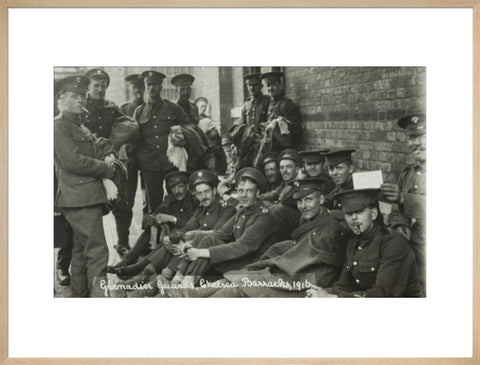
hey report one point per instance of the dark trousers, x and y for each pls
(90, 251)
(123, 211)
(419, 249)
(64, 240)
(154, 188)
(141, 247)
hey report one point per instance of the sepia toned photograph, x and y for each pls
(232, 182)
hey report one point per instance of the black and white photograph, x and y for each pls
(235, 182)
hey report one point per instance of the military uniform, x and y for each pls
(155, 121)
(330, 202)
(130, 107)
(378, 263)
(278, 139)
(101, 116)
(411, 213)
(80, 194)
(249, 131)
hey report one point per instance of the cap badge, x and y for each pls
(296, 184)
(150, 74)
(78, 80)
(200, 174)
(99, 72)
(415, 119)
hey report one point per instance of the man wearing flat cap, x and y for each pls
(340, 168)
(315, 255)
(243, 238)
(379, 261)
(283, 125)
(249, 130)
(183, 85)
(80, 194)
(410, 191)
(155, 117)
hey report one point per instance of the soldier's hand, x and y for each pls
(110, 159)
(197, 253)
(110, 174)
(391, 192)
(164, 218)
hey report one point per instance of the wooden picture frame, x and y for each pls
(8, 4)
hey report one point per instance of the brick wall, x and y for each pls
(357, 107)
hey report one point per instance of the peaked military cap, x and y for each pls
(135, 79)
(183, 80)
(308, 185)
(203, 176)
(254, 174)
(75, 84)
(355, 200)
(414, 125)
(313, 156)
(176, 177)
(152, 75)
(269, 157)
(252, 79)
(290, 154)
(337, 156)
(272, 75)
(96, 73)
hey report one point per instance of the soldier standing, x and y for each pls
(80, 194)
(248, 133)
(137, 88)
(410, 192)
(155, 116)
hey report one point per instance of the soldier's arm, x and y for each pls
(250, 241)
(291, 113)
(72, 160)
(225, 233)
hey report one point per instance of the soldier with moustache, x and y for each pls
(80, 195)
(410, 192)
(155, 117)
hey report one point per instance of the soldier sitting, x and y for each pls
(316, 254)
(174, 212)
(242, 239)
(379, 262)
(313, 166)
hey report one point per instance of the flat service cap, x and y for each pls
(306, 186)
(75, 84)
(152, 75)
(253, 174)
(414, 125)
(183, 80)
(203, 176)
(337, 156)
(356, 200)
(97, 73)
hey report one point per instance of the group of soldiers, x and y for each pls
(242, 215)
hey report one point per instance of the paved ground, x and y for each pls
(111, 236)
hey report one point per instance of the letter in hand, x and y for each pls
(391, 192)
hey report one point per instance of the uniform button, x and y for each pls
(373, 269)
(100, 127)
(415, 186)
(181, 209)
(154, 126)
(154, 116)
(156, 136)
(158, 146)
(99, 117)
(81, 181)
(243, 216)
(208, 213)
(419, 172)
(294, 242)
(204, 224)
(339, 204)
(359, 248)
(355, 263)
(357, 281)
(314, 233)
(238, 227)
